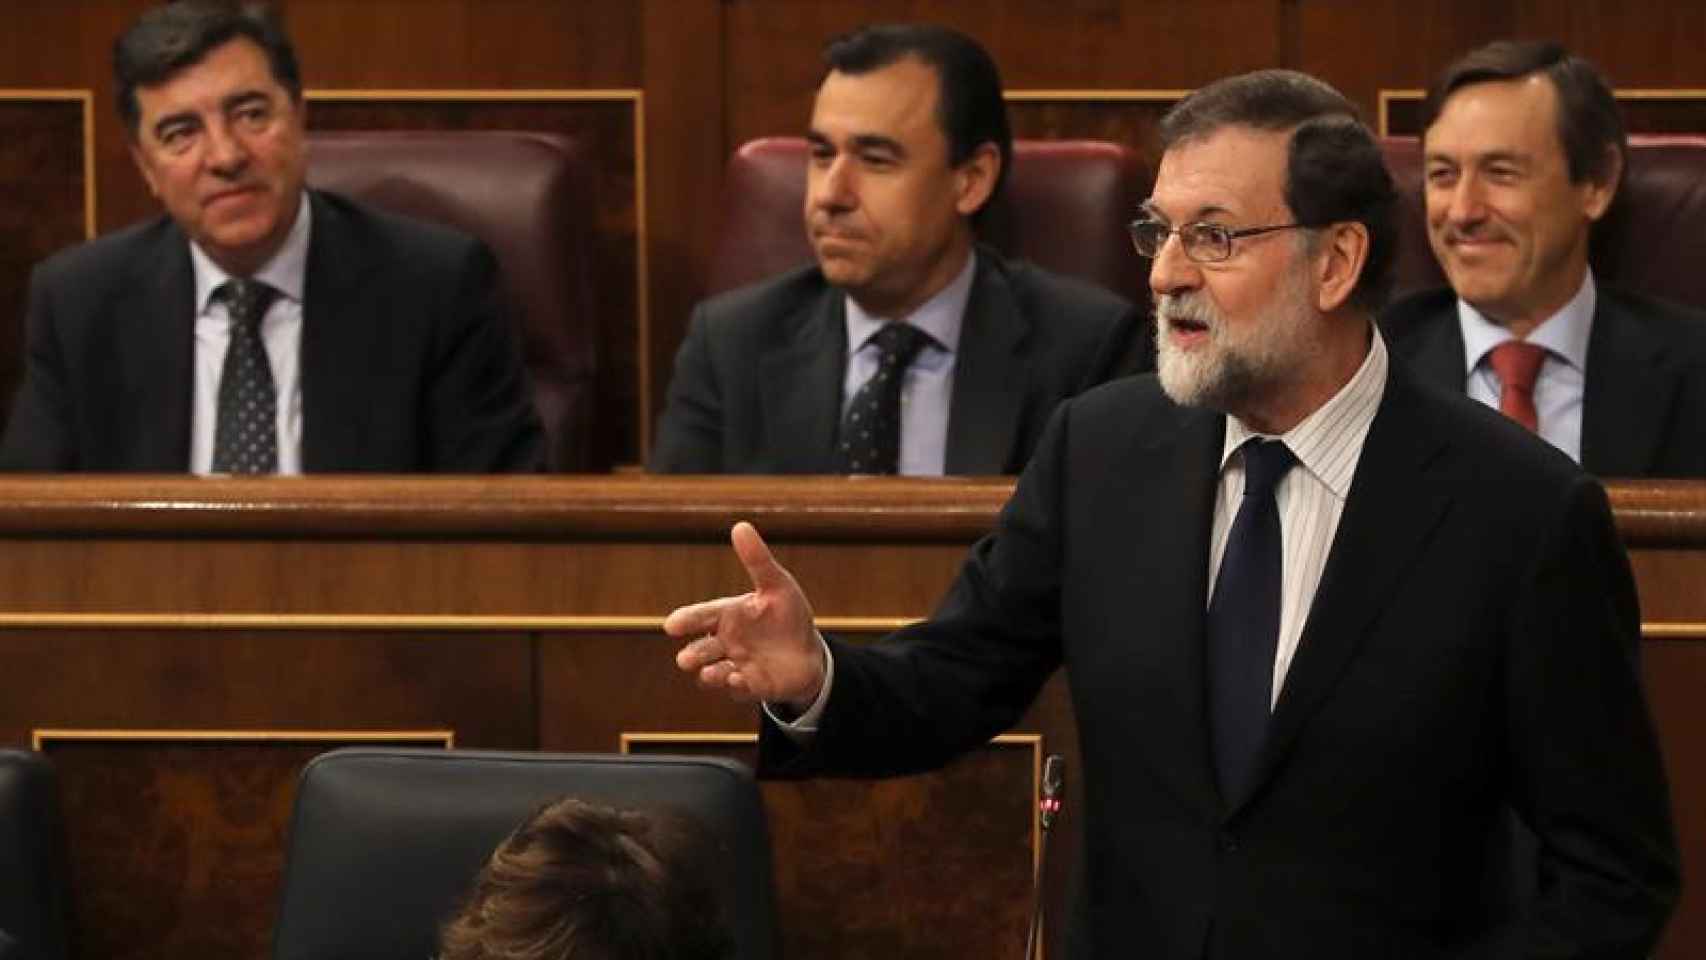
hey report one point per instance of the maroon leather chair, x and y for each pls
(1652, 240)
(529, 196)
(1065, 206)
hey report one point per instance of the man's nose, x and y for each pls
(226, 152)
(835, 187)
(1171, 271)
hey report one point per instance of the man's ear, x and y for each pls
(1339, 260)
(974, 180)
(1597, 195)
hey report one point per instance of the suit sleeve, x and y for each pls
(482, 414)
(690, 431)
(921, 697)
(39, 432)
(1585, 768)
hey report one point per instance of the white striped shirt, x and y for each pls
(1310, 498)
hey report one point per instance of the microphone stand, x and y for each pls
(1048, 807)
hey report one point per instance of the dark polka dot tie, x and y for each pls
(245, 438)
(870, 433)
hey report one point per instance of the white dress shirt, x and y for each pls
(927, 391)
(1559, 386)
(281, 330)
(1310, 499)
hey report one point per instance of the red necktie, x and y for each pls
(1518, 363)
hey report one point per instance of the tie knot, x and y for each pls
(1517, 362)
(1265, 462)
(247, 301)
(898, 344)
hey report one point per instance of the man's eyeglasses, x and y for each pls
(1203, 242)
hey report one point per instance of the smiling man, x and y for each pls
(906, 348)
(259, 327)
(1323, 625)
(1524, 152)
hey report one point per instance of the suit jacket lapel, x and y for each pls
(800, 388)
(155, 342)
(1624, 400)
(1439, 359)
(341, 316)
(1391, 511)
(1169, 582)
(983, 414)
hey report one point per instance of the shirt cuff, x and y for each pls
(802, 728)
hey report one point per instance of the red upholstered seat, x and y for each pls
(1065, 206)
(1653, 240)
(529, 196)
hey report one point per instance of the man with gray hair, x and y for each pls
(1323, 625)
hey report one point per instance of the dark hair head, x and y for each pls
(169, 38)
(969, 106)
(578, 881)
(1334, 169)
(1589, 124)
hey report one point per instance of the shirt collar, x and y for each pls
(285, 272)
(941, 316)
(1564, 334)
(1321, 442)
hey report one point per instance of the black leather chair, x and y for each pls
(384, 843)
(33, 873)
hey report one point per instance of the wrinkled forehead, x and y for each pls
(1234, 174)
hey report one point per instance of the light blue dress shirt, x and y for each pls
(1558, 388)
(926, 392)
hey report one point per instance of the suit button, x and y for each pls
(1228, 843)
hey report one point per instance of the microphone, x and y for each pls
(1048, 808)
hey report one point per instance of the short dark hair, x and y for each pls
(1588, 119)
(580, 881)
(169, 38)
(969, 105)
(1334, 168)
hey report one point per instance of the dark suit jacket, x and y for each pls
(408, 364)
(758, 381)
(1644, 409)
(1469, 650)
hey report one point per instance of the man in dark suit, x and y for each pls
(258, 326)
(909, 141)
(1524, 151)
(1323, 624)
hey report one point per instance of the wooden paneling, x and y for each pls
(166, 833)
(1644, 111)
(525, 612)
(44, 201)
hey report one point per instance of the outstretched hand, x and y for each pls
(757, 646)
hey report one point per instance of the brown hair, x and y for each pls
(578, 881)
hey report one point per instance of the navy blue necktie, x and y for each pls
(870, 433)
(1243, 620)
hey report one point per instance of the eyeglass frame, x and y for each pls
(1226, 233)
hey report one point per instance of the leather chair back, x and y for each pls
(529, 196)
(1065, 207)
(1650, 241)
(33, 871)
(385, 843)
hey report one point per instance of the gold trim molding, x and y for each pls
(41, 737)
(358, 622)
(87, 99)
